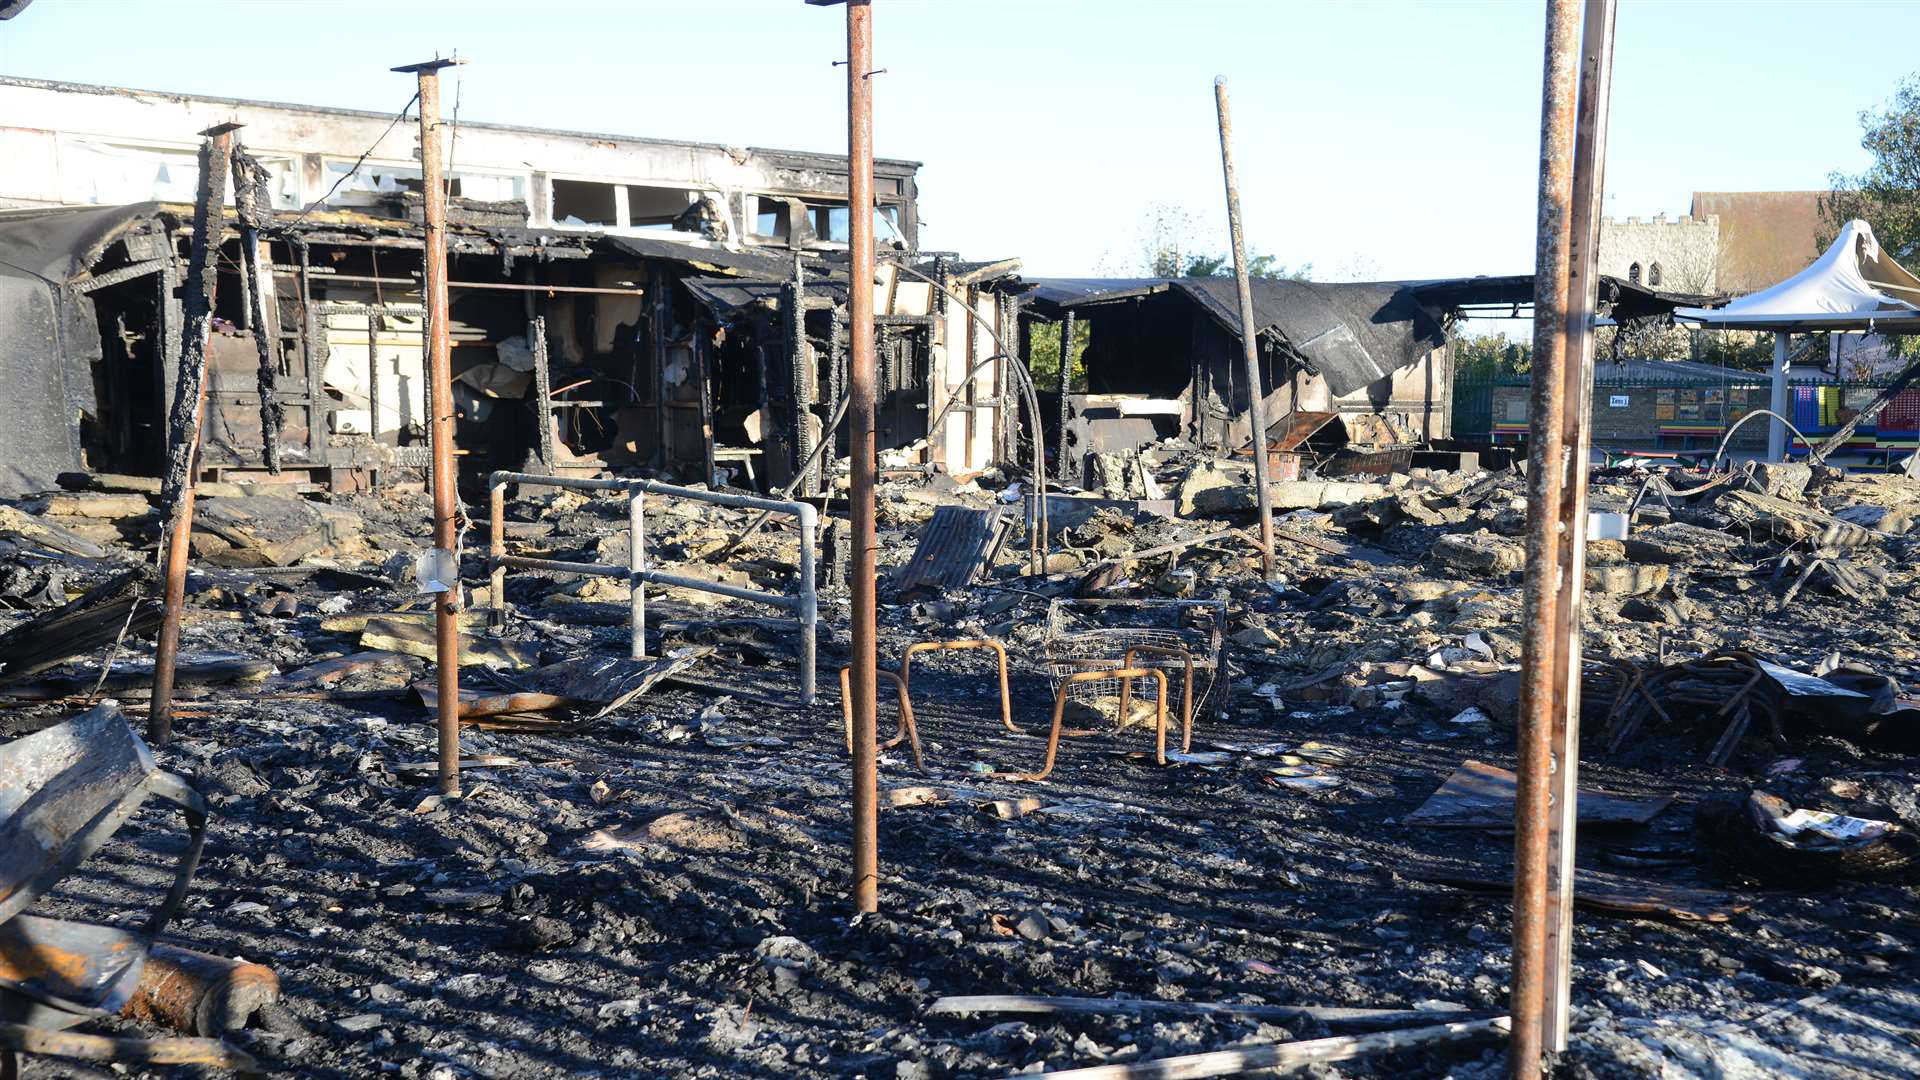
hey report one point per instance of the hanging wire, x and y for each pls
(316, 204)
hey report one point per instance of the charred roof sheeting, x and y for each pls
(49, 338)
(1349, 334)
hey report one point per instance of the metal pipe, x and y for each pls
(1583, 282)
(1249, 336)
(183, 426)
(862, 378)
(440, 387)
(804, 606)
(1545, 475)
(501, 286)
(809, 607)
(1067, 329)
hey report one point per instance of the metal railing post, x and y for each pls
(497, 549)
(809, 603)
(636, 572)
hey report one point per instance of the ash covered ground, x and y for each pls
(664, 891)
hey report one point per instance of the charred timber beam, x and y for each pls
(183, 423)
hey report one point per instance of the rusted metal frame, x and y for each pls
(446, 497)
(1249, 336)
(907, 731)
(1186, 693)
(184, 420)
(861, 394)
(804, 604)
(1061, 465)
(999, 651)
(1060, 712)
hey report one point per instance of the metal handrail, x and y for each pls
(805, 604)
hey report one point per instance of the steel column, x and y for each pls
(1249, 333)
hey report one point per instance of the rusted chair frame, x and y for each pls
(1186, 693)
(999, 652)
(906, 731)
(1060, 711)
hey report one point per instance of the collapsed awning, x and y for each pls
(1854, 286)
(1348, 334)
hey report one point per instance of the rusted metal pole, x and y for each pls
(1576, 417)
(440, 386)
(1249, 333)
(1572, 146)
(861, 383)
(189, 407)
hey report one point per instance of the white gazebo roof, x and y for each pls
(1854, 286)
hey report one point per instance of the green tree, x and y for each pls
(1043, 354)
(1489, 356)
(1887, 194)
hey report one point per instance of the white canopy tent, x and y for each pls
(1854, 286)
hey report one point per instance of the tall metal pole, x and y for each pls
(1249, 335)
(189, 407)
(446, 608)
(1572, 148)
(1583, 280)
(861, 382)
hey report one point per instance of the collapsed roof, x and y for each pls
(1349, 333)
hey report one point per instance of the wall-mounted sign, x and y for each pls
(1617, 401)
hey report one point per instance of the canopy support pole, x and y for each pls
(1776, 429)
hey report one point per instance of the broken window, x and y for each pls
(107, 173)
(674, 209)
(770, 218)
(1653, 274)
(371, 184)
(1633, 274)
(586, 204)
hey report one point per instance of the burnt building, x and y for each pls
(616, 302)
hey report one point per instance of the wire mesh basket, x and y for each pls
(1094, 635)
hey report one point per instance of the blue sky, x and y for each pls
(1386, 140)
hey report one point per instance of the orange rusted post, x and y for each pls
(446, 482)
